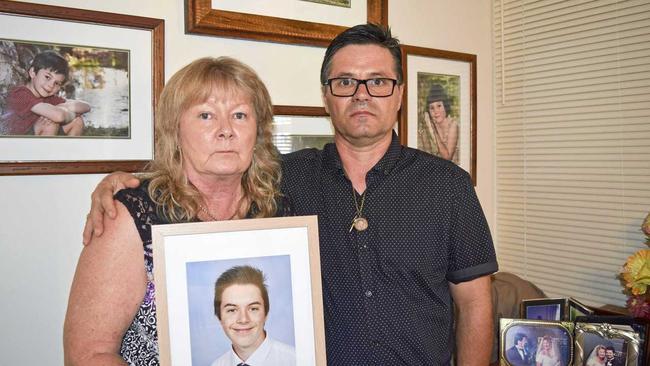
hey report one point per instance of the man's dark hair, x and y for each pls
(519, 337)
(363, 34)
(438, 93)
(50, 60)
(610, 348)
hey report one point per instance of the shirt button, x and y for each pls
(368, 293)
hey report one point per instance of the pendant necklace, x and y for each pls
(359, 222)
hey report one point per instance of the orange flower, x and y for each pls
(636, 272)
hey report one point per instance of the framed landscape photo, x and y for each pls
(530, 342)
(296, 127)
(285, 21)
(78, 89)
(438, 112)
(202, 276)
(544, 309)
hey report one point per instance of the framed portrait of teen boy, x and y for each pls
(438, 112)
(240, 291)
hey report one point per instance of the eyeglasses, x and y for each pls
(347, 87)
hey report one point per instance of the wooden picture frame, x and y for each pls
(190, 257)
(202, 18)
(431, 73)
(300, 127)
(70, 27)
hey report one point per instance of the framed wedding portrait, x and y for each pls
(106, 71)
(438, 112)
(307, 22)
(202, 273)
(298, 127)
(596, 343)
(525, 342)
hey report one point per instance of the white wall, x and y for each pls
(41, 217)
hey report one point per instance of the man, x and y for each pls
(611, 359)
(518, 354)
(403, 239)
(241, 303)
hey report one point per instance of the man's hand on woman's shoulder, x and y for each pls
(102, 202)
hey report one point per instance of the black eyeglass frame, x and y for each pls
(364, 82)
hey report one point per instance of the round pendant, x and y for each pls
(360, 224)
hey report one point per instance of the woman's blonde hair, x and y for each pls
(178, 199)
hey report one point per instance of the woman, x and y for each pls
(597, 357)
(214, 160)
(439, 126)
(547, 353)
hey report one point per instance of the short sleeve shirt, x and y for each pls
(19, 118)
(386, 289)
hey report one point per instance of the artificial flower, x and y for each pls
(638, 306)
(636, 272)
(636, 277)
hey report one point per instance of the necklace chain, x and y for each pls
(211, 216)
(363, 200)
(359, 222)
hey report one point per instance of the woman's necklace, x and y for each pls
(359, 222)
(211, 216)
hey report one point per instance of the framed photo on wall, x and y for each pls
(438, 112)
(297, 127)
(203, 281)
(305, 22)
(78, 89)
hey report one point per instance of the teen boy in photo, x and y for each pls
(36, 109)
(241, 303)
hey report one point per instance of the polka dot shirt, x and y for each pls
(385, 290)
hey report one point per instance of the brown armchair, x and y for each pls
(508, 290)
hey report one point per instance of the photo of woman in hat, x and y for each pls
(437, 129)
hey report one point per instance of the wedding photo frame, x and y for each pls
(544, 309)
(593, 339)
(190, 257)
(307, 24)
(448, 78)
(521, 342)
(300, 127)
(108, 49)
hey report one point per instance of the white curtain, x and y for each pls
(572, 88)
